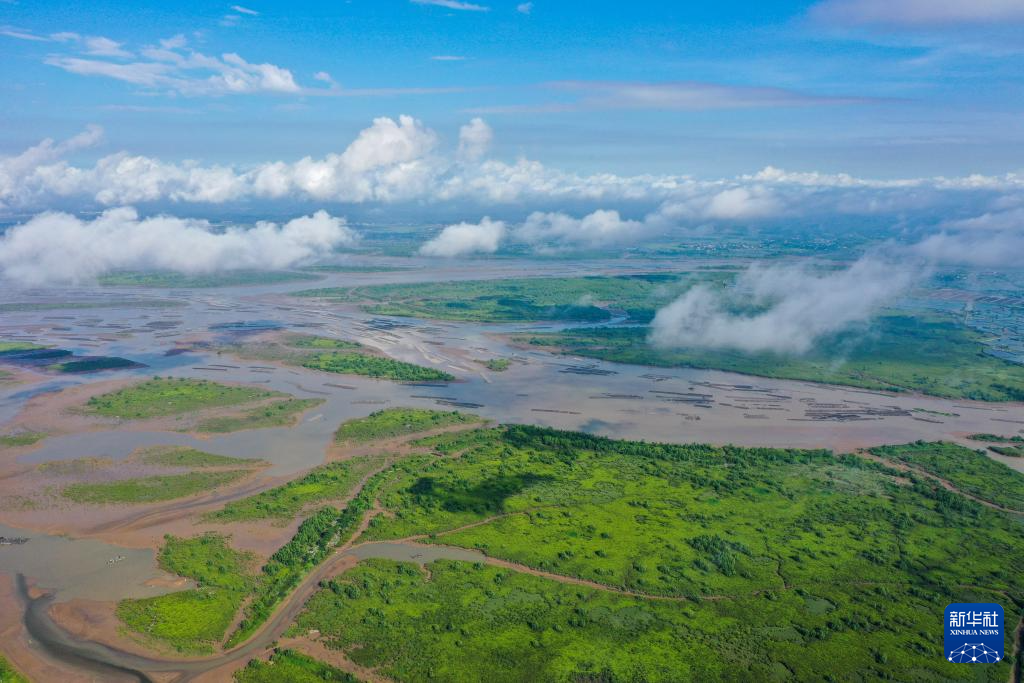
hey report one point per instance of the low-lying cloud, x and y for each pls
(797, 306)
(58, 248)
(463, 239)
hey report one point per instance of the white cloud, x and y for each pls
(918, 13)
(670, 96)
(105, 47)
(466, 238)
(474, 140)
(453, 4)
(598, 229)
(60, 248)
(524, 7)
(245, 10)
(448, 58)
(800, 307)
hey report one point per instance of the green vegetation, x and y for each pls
(171, 279)
(995, 438)
(10, 347)
(392, 422)
(333, 481)
(497, 364)
(969, 471)
(936, 356)
(288, 666)
(8, 674)
(77, 466)
(316, 538)
(374, 366)
(169, 396)
(336, 356)
(1011, 451)
(283, 413)
(85, 305)
(150, 489)
(579, 298)
(777, 560)
(341, 268)
(183, 456)
(93, 365)
(195, 620)
(19, 439)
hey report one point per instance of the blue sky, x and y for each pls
(878, 89)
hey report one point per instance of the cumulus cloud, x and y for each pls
(796, 306)
(474, 140)
(601, 228)
(466, 238)
(918, 13)
(53, 248)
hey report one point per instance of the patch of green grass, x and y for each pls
(150, 489)
(85, 305)
(93, 365)
(289, 666)
(582, 298)
(936, 356)
(374, 366)
(781, 560)
(183, 456)
(283, 413)
(497, 364)
(970, 471)
(19, 439)
(193, 621)
(995, 438)
(17, 346)
(8, 674)
(284, 503)
(158, 397)
(171, 279)
(1010, 451)
(310, 342)
(392, 422)
(75, 466)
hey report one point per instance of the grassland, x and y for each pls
(525, 299)
(183, 456)
(75, 466)
(936, 356)
(288, 666)
(93, 365)
(159, 397)
(193, 621)
(283, 413)
(775, 562)
(19, 439)
(27, 307)
(497, 364)
(996, 438)
(152, 489)
(174, 280)
(969, 471)
(8, 674)
(337, 356)
(1009, 451)
(393, 422)
(284, 503)
(9, 347)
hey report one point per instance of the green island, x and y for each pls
(195, 620)
(93, 365)
(12, 347)
(162, 396)
(75, 466)
(288, 666)
(19, 439)
(176, 280)
(664, 562)
(335, 356)
(8, 674)
(497, 364)
(522, 299)
(27, 307)
(971, 472)
(283, 413)
(996, 438)
(183, 456)
(284, 503)
(1010, 451)
(393, 422)
(902, 353)
(152, 489)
